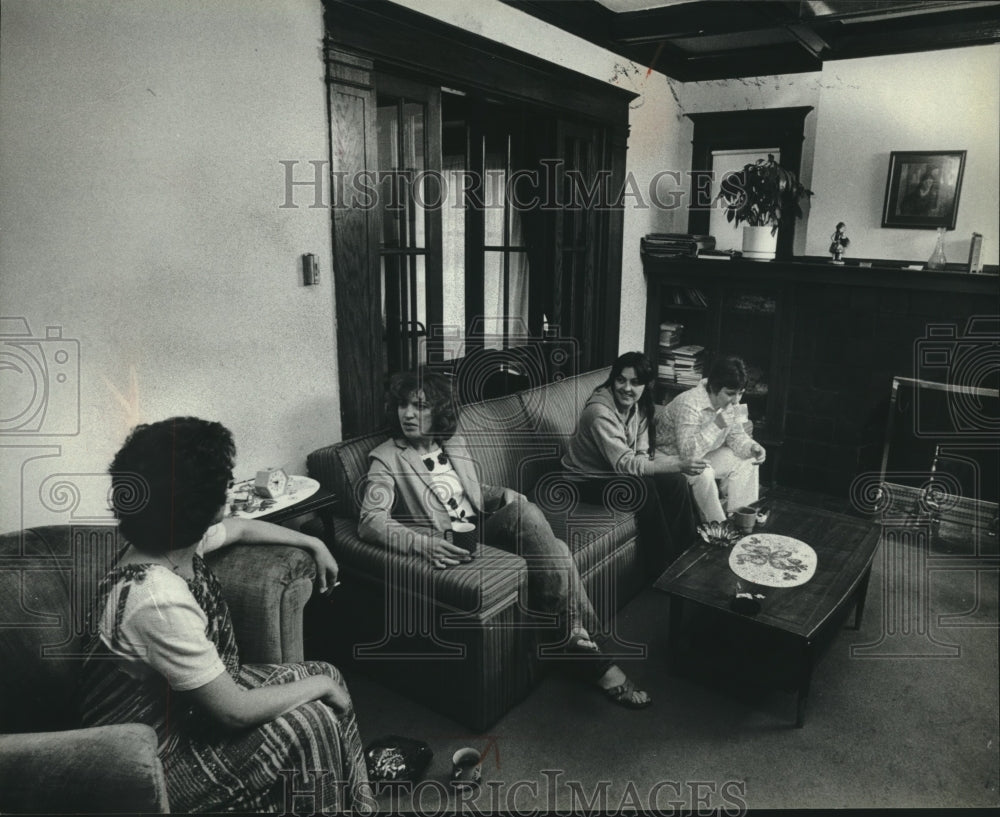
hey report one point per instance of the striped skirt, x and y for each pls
(308, 760)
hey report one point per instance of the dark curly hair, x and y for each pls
(727, 372)
(169, 480)
(437, 393)
(646, 374)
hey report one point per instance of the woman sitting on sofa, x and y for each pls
(703, 422)
(162, 652)
(423, 485)
(615, 438)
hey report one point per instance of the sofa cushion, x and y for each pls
(498, 437)
(491, 581)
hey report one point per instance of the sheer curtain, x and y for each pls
(453, 255)
(506, 322)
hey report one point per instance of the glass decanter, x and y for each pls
(937, 259)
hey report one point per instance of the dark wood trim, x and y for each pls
(712, 41)
(396, 37)
(732, 130)
(356, 234)
(606, 347)
(809, 271)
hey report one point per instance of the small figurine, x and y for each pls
(839, 242)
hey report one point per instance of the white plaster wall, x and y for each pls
(140, 193)
(941, 100)
(862, 110)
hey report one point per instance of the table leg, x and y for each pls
(859, 605)
(674, 634)
(805, 679)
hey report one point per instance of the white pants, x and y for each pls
(738, 484)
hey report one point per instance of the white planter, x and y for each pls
(759, 244)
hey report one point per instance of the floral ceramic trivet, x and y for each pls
(772, 560)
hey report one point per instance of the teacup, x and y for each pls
(744, 519)
(466, 768)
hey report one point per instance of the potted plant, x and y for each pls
(761, 196)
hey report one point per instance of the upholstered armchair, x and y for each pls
(47, 575)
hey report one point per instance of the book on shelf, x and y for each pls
(675, 245)
(681, 364)
(687, 296)
(696, 297)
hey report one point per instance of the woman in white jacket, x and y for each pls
(704, 423)
(423, 482)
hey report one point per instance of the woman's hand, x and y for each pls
(693, 467)
(327, 568)
(441, 553)
(336, 696)
(757, 453)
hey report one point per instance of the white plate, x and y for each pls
(772, 560)
(299, 488)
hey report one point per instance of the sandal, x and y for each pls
(580, 643)
(628, 695)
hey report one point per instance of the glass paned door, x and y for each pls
(408, 183)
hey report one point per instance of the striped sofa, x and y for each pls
(462, 640)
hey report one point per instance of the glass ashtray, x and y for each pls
(719, 534)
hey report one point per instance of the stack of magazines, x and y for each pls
(670, 338)
(682, 365)
(675, 245)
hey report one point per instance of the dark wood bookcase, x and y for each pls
(824, 343)
(746, 317)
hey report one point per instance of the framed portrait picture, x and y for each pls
(922, 189)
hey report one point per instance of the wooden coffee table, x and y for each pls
(797, 616)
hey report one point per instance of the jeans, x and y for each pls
(665, 515)
(554, 584)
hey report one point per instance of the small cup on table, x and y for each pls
(744, 519)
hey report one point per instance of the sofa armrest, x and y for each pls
(266, 588)
(492, 581)
(98, 770)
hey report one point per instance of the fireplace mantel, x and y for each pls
(811, 270)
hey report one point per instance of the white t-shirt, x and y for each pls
(162, 627)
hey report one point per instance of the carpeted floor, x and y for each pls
(903, 713)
